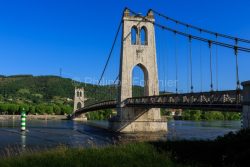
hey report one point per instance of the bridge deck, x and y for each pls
(210, 101)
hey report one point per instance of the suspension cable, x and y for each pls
(201, 29)
(193, 36)
(191, 65)
(202, 39)
(211, 70)
(111, 51)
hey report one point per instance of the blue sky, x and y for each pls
(40, 37)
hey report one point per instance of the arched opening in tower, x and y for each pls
(143, 36)
(134, 35)
(79, 105)
(139, 81)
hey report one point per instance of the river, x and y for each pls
(51, 133)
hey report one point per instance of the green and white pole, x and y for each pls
(23, 120)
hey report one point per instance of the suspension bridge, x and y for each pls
(141, 113)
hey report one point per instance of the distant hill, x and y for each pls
(40, 89)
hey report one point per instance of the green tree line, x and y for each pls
(57, 109)
(100, 115)
(209, 115)
(197, 115)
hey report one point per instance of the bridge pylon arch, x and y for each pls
(143, 54)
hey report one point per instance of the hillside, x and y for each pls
(51, 89)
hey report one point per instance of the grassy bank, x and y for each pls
(228, 151)
(125, 155)
(232, 150)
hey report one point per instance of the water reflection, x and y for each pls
(23, 140)
(200, 129)
(75, 125)
(126, 138)
(13, 122)
(51, 133)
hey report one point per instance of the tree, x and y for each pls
(13, 108)
(40, 109)
(56, 109)
(32, 110)
(1, 98)
(66, 109)
(195, 115)
(186, 115)
(3, 107)
(213, 115)
(23, 91)
(48, 109)
(23, 106)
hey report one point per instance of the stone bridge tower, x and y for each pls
(138, 49)
(79, 102)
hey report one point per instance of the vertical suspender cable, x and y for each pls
(237, 65)
(116, 85)
(237, 72)
(176, 63)
(109, 85)
(191, 65)
(109, 91)
(164, 69)
(201, 77)
(187, 62)
(211, 70)
(217, 80)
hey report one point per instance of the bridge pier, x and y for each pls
(246, 105)
(136, 120)
(81, 117)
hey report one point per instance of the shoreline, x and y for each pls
(34, 117)
(223, 151)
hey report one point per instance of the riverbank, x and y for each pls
(33, 117)
(232, 150)
(124, 155)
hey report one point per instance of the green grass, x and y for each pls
(139, 154)
(232, 150)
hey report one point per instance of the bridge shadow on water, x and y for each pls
(100, 130)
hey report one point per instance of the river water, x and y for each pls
(51, 133)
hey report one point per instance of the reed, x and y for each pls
(137, 154)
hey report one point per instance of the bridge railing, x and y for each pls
(217, 100)
(95, 107)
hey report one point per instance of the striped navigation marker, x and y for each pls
(23, 120)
